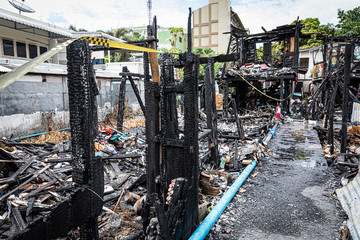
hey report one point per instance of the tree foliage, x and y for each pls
(349, 25)
(73, 28)
(206, 51)
(123, 34)
(349, 22)
(313, 27)
(202, 67)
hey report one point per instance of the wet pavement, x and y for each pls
(290, 195)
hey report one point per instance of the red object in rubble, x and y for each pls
(278, 112)
(107, 131)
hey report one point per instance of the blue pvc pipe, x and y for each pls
(204, 228)
(38, 134)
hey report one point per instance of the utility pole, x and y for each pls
(149, 10)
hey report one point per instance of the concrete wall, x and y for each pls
(35, 102)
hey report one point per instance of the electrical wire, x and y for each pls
(276, 99)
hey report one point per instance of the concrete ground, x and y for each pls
(290, 194)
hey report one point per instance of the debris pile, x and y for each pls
(261, 70)
(347, 163)
(36, 176)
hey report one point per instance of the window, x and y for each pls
(180, 39)
(8, 46)
(33, 51)
(304, 62)
(42, 50)
(21, 49)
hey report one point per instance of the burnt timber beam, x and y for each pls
(221, 58)
(210, 106)
(135, 89)
(191, 147)
(85, 202)
(240, 130)
(345, 107)
(226, 84)
(121, 105)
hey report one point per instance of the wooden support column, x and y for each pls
(136, 90)
(226, 84)
(87, 171)
(282, 94)
(331, 116)
(345, 106)
(121, 104)
(210, 105)
(240, 130)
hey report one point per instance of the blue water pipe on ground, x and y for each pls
(204, 228)
(38, 134)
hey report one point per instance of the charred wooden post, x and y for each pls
(171, 153)
(240, 129)
(87, 171)
(135, 89)
(191, 147)
(332, 105)
(202, 97)
(152, 130)
(267, 52)
(189, 40)
(345, 107)
(121, 104)
(226, 83)
(282, 94)
(331, 116)
(211, 114)
(85, 202)
(171, 160)
(179, 157)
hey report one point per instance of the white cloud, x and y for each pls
(93, 15)
(272, 13)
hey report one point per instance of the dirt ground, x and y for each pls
(292, 195)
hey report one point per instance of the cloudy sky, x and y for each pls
(94, 14)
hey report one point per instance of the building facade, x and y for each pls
(25, 38)
(40, 98)
(210, 22)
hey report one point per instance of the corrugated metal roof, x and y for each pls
(7, 65)
(4, 69)
(349, 197)
(14, 17)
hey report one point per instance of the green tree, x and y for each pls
(349, 22)
(73, 28)
(206, 51)
(202, 67)
(312, 28)
(276, 50)
(118, 33)
(260, 52)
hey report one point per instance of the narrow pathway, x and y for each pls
(289, 196)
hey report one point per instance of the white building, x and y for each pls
(210, 22)
(25, 38)
(309, 58)
(40, 98)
